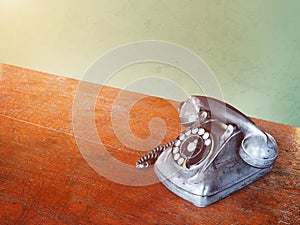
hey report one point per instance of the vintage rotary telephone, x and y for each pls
(220, 152)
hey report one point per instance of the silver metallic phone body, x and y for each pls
(217, 176)
(220, 152)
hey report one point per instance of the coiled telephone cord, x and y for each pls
(152, 156)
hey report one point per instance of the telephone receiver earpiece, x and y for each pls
(257, 149)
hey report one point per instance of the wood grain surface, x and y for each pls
(68, 150)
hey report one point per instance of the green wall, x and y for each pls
(253, 47)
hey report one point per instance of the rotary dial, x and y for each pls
(191, 147)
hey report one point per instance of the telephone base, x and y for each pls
(205, 200)
(216, 155)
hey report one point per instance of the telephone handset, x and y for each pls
(220, 152)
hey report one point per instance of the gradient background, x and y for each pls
(253, 47)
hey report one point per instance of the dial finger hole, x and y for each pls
(177, 143)
(180, 161)
(207, 142)
(181, 137)
(188, 132)
(205, 135)
(201, 131)
(175, 150)
(195, 130)
(176, 156)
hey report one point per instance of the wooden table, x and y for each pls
(48, 177)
